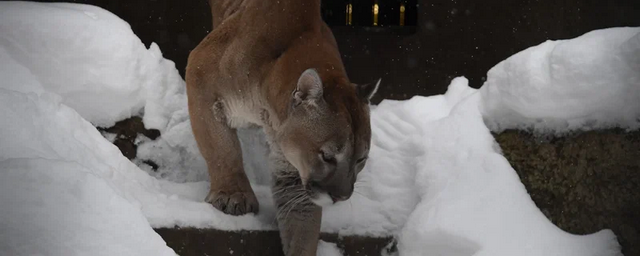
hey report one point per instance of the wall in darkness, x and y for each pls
(468, 37)
(453, 37)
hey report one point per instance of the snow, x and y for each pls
(585, 83)
(478, 205)
(54, 200)
(435, 179)
(328, 249)
(92, 59)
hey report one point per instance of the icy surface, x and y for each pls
(435, 177)
(584, 83)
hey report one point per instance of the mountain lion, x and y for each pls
(275, 64)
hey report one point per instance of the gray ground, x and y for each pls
(582, 182)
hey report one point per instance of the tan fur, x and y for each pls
(250, 70)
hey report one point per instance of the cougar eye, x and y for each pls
(327, 157)
(361, 160)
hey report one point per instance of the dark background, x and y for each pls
(450, 37)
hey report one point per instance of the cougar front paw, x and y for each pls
(233, 203)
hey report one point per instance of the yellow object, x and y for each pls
(402, 9)
(375, 14)
(349, 13)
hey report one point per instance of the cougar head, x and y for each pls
(327, 135)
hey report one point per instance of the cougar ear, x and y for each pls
(366, 91)
(309, 87)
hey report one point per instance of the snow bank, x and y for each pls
(71, 138)
(56, 201)
(97, 201)
(92, 59)
(589, 82)
(435, 177)
(472, 201)
(48, 151)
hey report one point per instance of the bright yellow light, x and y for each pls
(349, 13)
(402, 9)
(375, 14)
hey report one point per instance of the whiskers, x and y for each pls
(285, 175)
(292, 203)
(360, 187)
(289, 194)
(279, 192)
(359, 193)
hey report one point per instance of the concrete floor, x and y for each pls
(192, 242)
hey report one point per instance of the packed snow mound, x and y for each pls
(435, 177)
(47, 150)
(97, 201)
(92, 59)
(589, 82)
(58, 186)
(472, 201)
